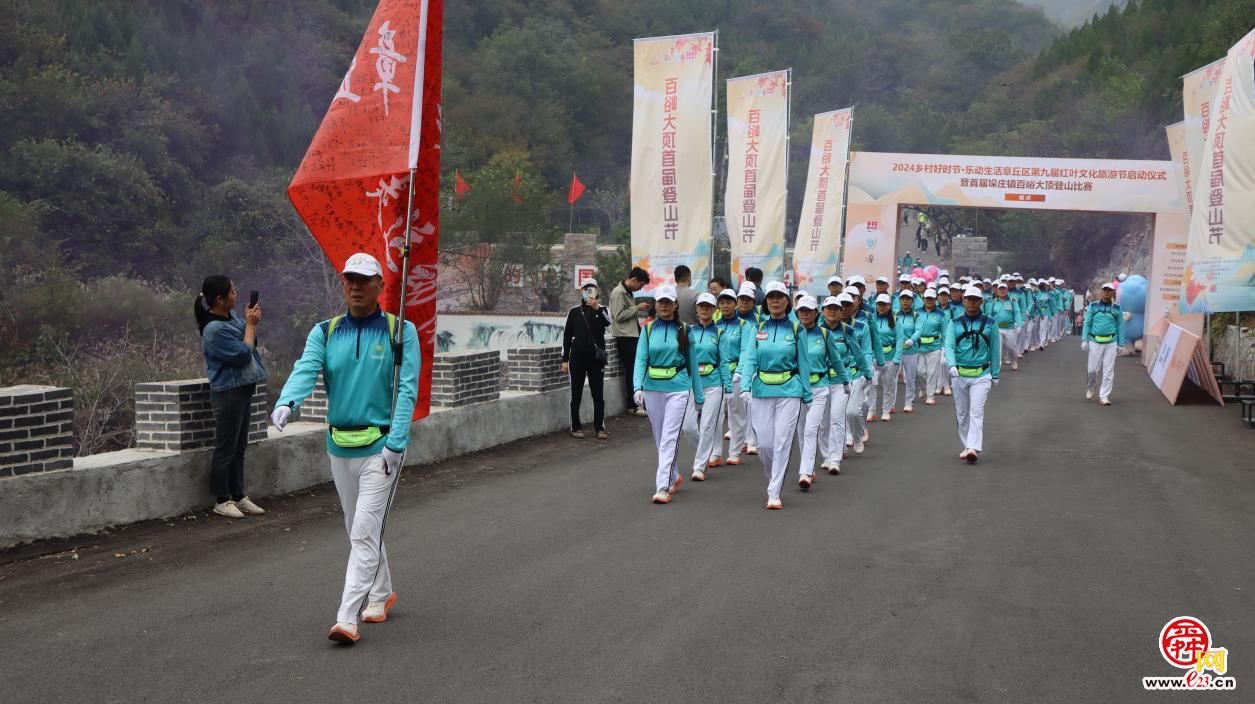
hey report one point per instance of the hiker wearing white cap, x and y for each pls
(734, 334)
(845, 350)
(778, 376)
(882, 286)
(1065, 309)
(714, 378)
(884, 389)
(870, 339)
(856, 433)
(973, 354)
(906, 322)
(1006, 313)
(835, 284)
(357, 354)
(932, 331)
(1029, 341)
(1045, 311)
(905, 285)
(1102, 335)
(752, 314)
(826, 373)
(665, 375)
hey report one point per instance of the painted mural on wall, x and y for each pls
(471, 333)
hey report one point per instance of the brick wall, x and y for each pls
(461, 379)
(178, 415)
(612, 364)
(535, 369)
(314, 408)
(36, 429)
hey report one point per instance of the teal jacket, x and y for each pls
(1103, 320)
(705, 343)
(931, 325)
(907, 329)
(974, 343)
(734, 336)
(873, 337)
(775, 348)
(951, 311)
(355, 358)
(659, 348)
(1045, 306)
(890, 338)
(847, 354)
(1005, 312)
(818, 355)
(754, 317)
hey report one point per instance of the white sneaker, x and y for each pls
(774, 504)
(920, 395)
(866, 436)
(377, 611)
(727, 435)
(247, 506)
(1089, 394)
(886, 418)
(699, 476)
(871, 416)
(858, 447)
(228, 509)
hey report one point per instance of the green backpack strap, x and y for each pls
(331, 326)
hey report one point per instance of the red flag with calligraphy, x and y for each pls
(460, 186)
(352, 186)
(577, 190)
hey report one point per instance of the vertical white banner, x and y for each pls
(816, 252)
(757, 191)
(672, 188)
(1198, 90)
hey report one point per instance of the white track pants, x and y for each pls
(1008, 345)
(930, 370)
(364, 492)
(775, 420)
(1022, 338)
(1102, 360)
(1043, 332)
(809, 426)
(970, 395)
(666, 412)
(910, 377)
(737, 412)
(704, 432)
(855, 416)
(832, 443)
(885, 382)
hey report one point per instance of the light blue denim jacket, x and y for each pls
(229, 363)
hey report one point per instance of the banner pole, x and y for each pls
(788, 142)
(714, 140)
(845, 196)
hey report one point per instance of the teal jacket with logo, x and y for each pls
(908, 329)
(706, 343)
(1102, 320)
(356, 362)
(974, 342)
(932, 324)
(819, 356)
(774, 348)
(872, 338)
(846, 354)
(890, 337)
(734, 334)
(659, 347)
(1005, 312)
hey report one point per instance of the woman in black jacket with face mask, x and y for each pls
(584, 355)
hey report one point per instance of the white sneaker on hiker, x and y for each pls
(228, 509)
(247, 506)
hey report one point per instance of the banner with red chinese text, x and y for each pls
(352, 187)
(1220, 259)
(672, 182)
(1198, 90)
(757, 190)
(816, 252)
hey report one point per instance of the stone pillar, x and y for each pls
(535, 369)
(36, 429)
(612, 363)
(579, 249)
(178, 415)
(462, 379)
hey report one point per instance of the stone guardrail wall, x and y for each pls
(167, 473)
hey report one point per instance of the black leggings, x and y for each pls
(596, 374)
(232, 411)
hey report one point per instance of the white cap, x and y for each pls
(1032, 281)
(907, 294)
(363, 264)
(974, 292)
(833, 301)
(775, 287)
(1003, 284)
(957, 285)
(664, 293)
(807, 301)
(986, 281)
(747, 290)
(836, 280)
(798, 294)
(706, 298)
(905, 278)
(845, 298)
(1017, 275)
(857, 281)
(882, 279)
(929, 293)
(1051, 280)
(1109, 285)
(884, 298)
(916, 281)
(727, 293)
(1058, 281)
(943, 273)
(588, 283)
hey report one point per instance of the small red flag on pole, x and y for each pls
(577, 190)
(514, 190)
(460, 186)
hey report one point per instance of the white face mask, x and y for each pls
(589, 294)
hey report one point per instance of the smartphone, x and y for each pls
(252, 298)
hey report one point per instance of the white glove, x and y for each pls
(954, 372)
(745, 397)
(908, 343)
(281, 416)
(639, 398)
(392, 460)
(995, 382)
(736, 378)
(1085, 346)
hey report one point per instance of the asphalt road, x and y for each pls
(541, 572)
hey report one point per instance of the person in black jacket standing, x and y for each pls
(584, 355)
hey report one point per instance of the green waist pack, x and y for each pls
(705, 369)
(1104, 339)
(971, 372)
(663, 373)
(774, 378)
(815, 378)
(927, 340)
(886, 348)
(731, 366)
(353, 438)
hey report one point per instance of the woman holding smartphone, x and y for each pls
(584, 356)
(229, 344)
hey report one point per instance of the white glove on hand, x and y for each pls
(745, 397)
(908, 343)
(954, 372)
(639, 398)
(736, 378)
(995, 382)
(281, 416)
(1085, 346)
(392, 460)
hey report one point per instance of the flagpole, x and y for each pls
(788, 141)
(845, 196)
(714, 140)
